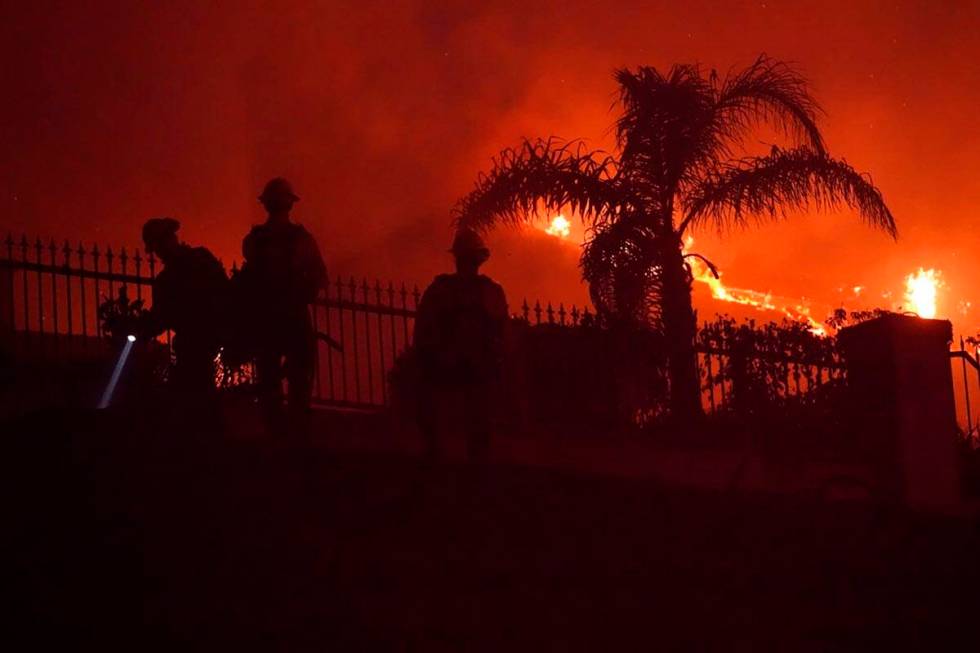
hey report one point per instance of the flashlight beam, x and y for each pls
(116, 372)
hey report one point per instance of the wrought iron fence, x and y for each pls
(363, 328)
(50, 294)
(547, 314)
(966, 382)
(744, 366)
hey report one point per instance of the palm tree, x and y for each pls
(682, 163)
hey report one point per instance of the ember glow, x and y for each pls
(560, 227)
(921, 290)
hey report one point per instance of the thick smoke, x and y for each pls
(382, 113)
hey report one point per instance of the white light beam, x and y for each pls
(114, 379)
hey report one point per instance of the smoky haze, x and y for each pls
(382, 113)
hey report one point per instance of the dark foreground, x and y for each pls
(130, 540)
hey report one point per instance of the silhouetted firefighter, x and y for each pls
(281, 276)
(189, 298)
(459, 335)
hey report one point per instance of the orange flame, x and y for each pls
(559, 227)
(921, 291)
(762, 301)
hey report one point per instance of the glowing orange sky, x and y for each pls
(382, 115)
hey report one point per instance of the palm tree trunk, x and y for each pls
(680, 330)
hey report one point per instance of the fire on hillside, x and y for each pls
(921, 294)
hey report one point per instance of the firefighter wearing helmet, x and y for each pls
(459, 338)
(188, 298)
(282, 274)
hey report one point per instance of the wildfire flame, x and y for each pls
(761, 301)
(921, 289)
(559, 227)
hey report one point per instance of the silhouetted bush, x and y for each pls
(121, 317)
(769, 366)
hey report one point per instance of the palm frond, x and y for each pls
(621, 264)
(661, 128)
(650, 99)
(769, 91)
(765, 188)
(544, 173)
